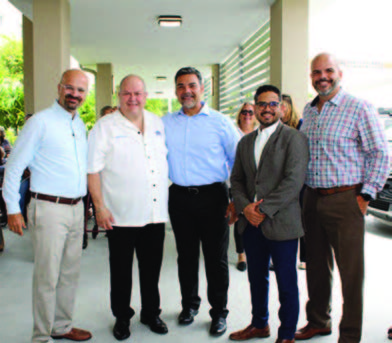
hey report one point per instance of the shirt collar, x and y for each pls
(336, 100)
(268, 130)
(60, 110)
(205, 110)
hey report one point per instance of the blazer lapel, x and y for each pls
(251, 153)
(270, 142)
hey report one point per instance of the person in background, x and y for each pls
(246, 122)
(106, 110)
(292, 119)
(4, 143)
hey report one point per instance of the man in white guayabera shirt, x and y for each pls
(53, 146)
(128, 181)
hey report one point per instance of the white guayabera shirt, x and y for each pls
(133, 168)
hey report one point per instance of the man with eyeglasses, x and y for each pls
(128, 182)
(266, 180)
(201, 144)
(53, 145)
(348, 166)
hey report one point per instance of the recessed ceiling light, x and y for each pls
(170, 20)
(159, 92)
(161, 78)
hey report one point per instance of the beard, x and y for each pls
(333, 85)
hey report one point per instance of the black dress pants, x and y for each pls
(197, 215)
(148, 243)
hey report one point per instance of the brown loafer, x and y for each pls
(279, 340)
(75, 335)
(250, 332)
(308, 332)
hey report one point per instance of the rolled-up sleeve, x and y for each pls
(97, 149)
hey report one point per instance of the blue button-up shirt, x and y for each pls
(54, 147)
(201, 147)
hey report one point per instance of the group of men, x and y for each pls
(341, 155)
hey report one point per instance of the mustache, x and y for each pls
(324, 80)
(69, 96)
(187, 94)
(266, 112)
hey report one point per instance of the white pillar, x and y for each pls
(103, 86)
(51, 20)
(289, 48)
(215, 86)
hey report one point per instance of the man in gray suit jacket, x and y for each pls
(267, 176)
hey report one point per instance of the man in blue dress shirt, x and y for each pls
(53, 146)
(202, 145)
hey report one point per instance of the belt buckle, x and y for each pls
(193, 190)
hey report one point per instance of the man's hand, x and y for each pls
(252, 213)
(104, 218)
(231, 214)
(363, 204)
(16, 223)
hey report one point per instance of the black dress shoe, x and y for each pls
(187, 316)
(218, 326)
(121, 329)
(155, 323)
(241, 266)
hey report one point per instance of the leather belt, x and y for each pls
(334, 190)
(57, 200)
(199, 189)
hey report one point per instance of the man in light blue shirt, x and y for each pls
(53, 146)
(202, 145)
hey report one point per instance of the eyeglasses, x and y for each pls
(70, 88)
(247, 113)
(128, 94)
(273, 105)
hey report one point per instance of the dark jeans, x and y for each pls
(334, 227)
(198, 216)
(259, 250)
(148, 243)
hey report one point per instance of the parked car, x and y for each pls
(381, 207)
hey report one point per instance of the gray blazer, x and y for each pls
(277, 180)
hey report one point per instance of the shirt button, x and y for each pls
(154, 185)
(316, 173)
(148, 157)
(152, 171)
(316, 157)
(138, 132)
(155, 199)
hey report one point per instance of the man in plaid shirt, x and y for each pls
(348, 165)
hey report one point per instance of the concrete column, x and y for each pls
(103, 86)
(51, 48)
(28, 65)
(215, 86)
(289, 48)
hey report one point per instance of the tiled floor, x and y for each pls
(93, 311)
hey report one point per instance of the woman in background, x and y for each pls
(292, 119)
(246, 123)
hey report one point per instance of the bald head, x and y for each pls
(72, 89)
(325, 75)
(132, 95)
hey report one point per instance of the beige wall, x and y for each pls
(103, 86)
(215, 86)
(28, 65)
(289, 48)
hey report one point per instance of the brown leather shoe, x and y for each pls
(308, 332)
(250, 332)
(76, 335)
(279, 340)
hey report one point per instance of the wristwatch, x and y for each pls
(365, 196)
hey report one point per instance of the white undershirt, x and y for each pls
(262, 139)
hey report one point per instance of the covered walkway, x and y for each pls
(93, 310)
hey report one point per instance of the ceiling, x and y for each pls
(125, 33)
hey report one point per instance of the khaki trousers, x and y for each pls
(57, 232)
(334, 226)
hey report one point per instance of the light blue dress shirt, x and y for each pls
(201, 147)
(54, 147)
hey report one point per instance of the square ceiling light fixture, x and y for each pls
(161, 78)
(170, 20)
